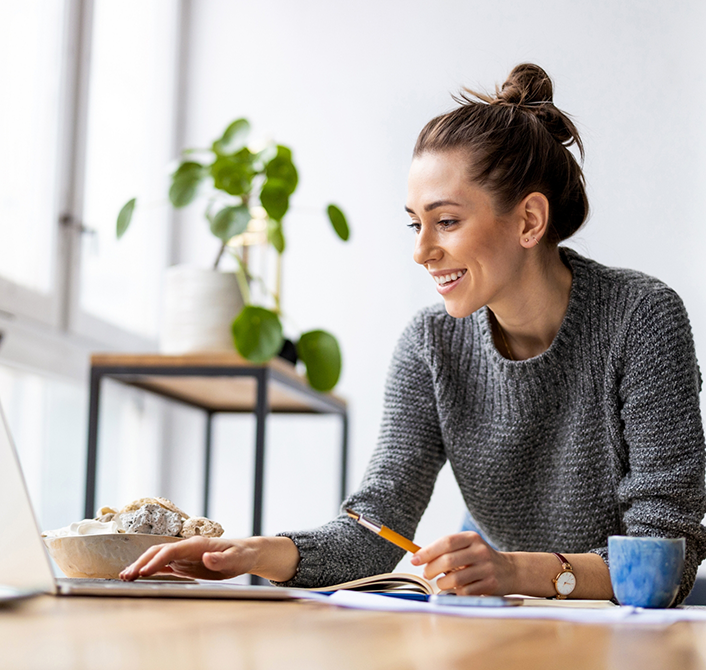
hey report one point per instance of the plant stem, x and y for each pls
(220, 253)
(241, 275)
(277, 294)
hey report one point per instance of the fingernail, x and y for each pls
(414, 560)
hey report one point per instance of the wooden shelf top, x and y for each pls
(288, 391)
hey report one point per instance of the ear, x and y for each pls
(533, 213)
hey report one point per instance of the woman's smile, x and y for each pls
(447, 281)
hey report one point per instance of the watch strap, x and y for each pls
(564, 563)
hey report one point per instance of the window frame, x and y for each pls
(51, 333)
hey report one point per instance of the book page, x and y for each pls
(391, 581)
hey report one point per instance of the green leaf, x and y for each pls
(338, 221)
(185, 183)
(274, 197)
(234, 138)
(124, 217)
(257, 333)
(321, 354)
(275, 235)
(266, 155)
(281, 168)
(190, 168)
(230, 221)
(234, 174)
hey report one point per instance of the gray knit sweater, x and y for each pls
(599, 435)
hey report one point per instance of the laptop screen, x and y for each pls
(24, 562)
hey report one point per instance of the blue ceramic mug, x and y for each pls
(645, 571)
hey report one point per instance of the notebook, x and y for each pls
(25, 568)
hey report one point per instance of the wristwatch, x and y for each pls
(565, 581)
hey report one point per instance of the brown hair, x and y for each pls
(517, 143)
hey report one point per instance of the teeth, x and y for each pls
(445, 279)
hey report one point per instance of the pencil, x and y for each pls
(384, 532)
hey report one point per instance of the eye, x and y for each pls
(414, 226)
(447, 223)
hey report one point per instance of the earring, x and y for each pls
(526, 239)
(536, 241)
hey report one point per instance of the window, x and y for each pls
(87, 121)
(32, 42)
(129, 145)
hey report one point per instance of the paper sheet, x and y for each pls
(573, 613)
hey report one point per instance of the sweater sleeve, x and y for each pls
(662, 491)
(398, 482)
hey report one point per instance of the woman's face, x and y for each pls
(471, 253)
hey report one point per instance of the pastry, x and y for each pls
(199, 525)
(150, 519)
(162, 502)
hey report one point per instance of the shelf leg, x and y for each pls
(92, 452)
(207, 462)
(261, 410)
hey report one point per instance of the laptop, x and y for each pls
(25, 567)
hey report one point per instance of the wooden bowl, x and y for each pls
(100, 556)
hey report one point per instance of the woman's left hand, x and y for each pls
(467, 564)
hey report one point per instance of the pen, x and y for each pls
(384, 532)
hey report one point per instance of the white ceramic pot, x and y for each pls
(199, 307)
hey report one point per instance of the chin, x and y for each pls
(459, 311)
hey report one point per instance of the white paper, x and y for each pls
(573, 613)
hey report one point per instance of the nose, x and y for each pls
(426, 249)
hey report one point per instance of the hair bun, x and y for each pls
(527, 84)
(529, 87)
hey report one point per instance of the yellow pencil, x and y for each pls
(384, 532)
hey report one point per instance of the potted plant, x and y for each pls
(247, 195)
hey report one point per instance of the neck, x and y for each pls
(530, 313)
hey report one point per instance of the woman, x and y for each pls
(565, 394)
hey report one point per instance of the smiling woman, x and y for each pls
(565, 394)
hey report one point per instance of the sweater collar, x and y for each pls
(561, 344)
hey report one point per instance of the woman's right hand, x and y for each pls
(200, 557)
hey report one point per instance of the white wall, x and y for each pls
(349, 86)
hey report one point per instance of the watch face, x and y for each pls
(566, 583)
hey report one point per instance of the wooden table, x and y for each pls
(213, 382)
(51, 633)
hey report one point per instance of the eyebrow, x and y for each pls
(434, 205)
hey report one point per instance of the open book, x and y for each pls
(399, 582)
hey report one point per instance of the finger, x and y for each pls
(132, 571)
(157, 557)
(451, 562)
(168, 553)
(444, 545)
(226, 562)
(483, 587)
(219, 562)
(476, 553)
(469, 576)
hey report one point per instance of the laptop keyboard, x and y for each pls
(144, 584)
